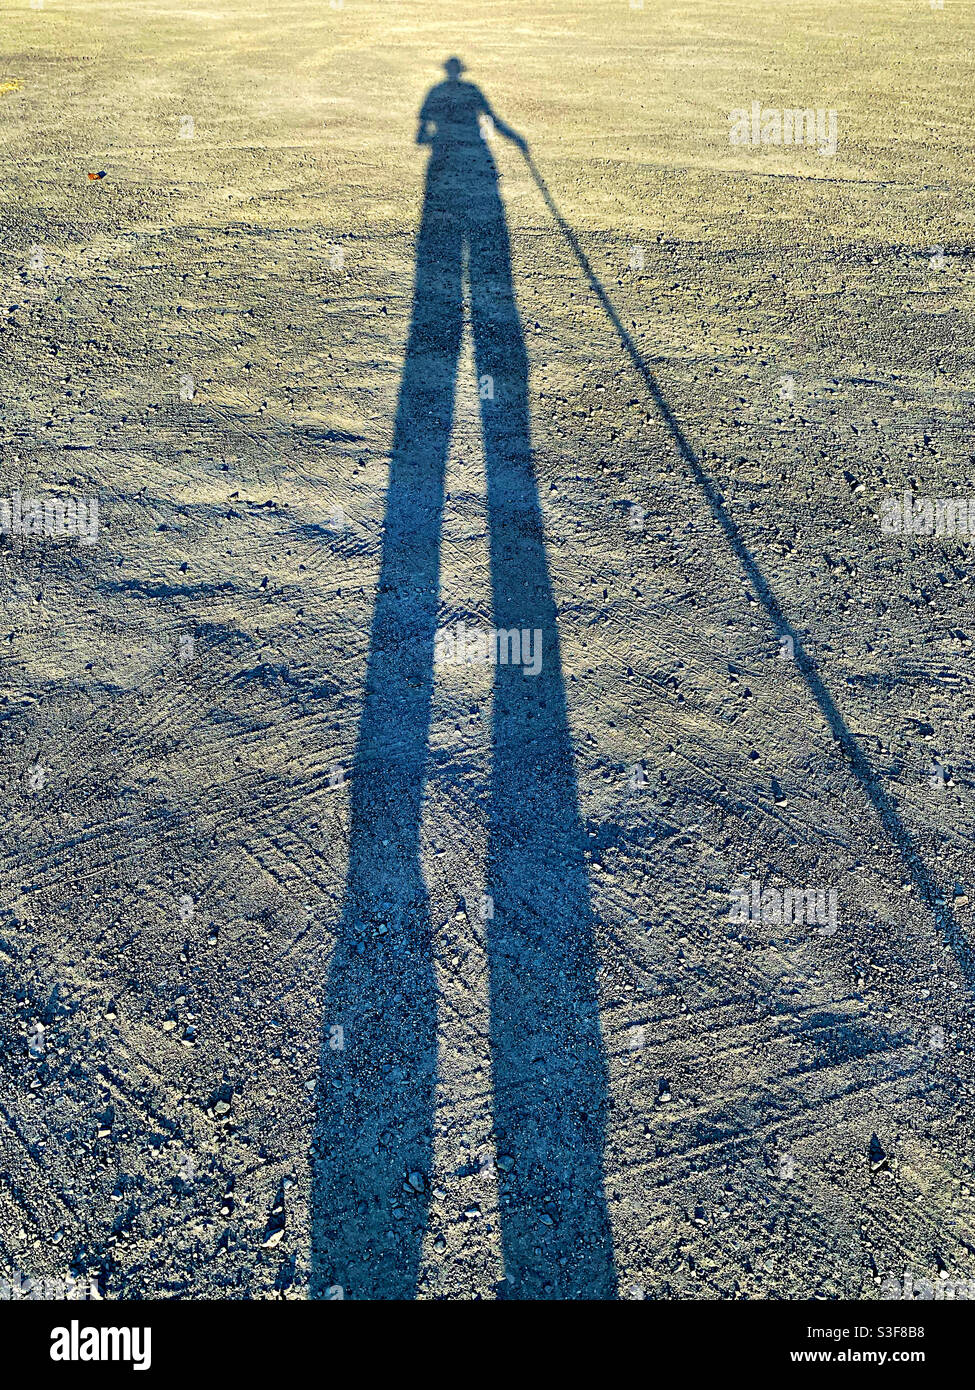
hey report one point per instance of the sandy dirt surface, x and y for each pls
(328, 972)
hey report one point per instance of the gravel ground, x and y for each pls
(327, 969)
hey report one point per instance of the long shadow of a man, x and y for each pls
(372, 1145)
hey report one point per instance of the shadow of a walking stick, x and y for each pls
(853, 755)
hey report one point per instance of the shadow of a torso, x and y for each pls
(459, 154)
(456, 109)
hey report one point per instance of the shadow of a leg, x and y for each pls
(376, 1092)
(548, 1060)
